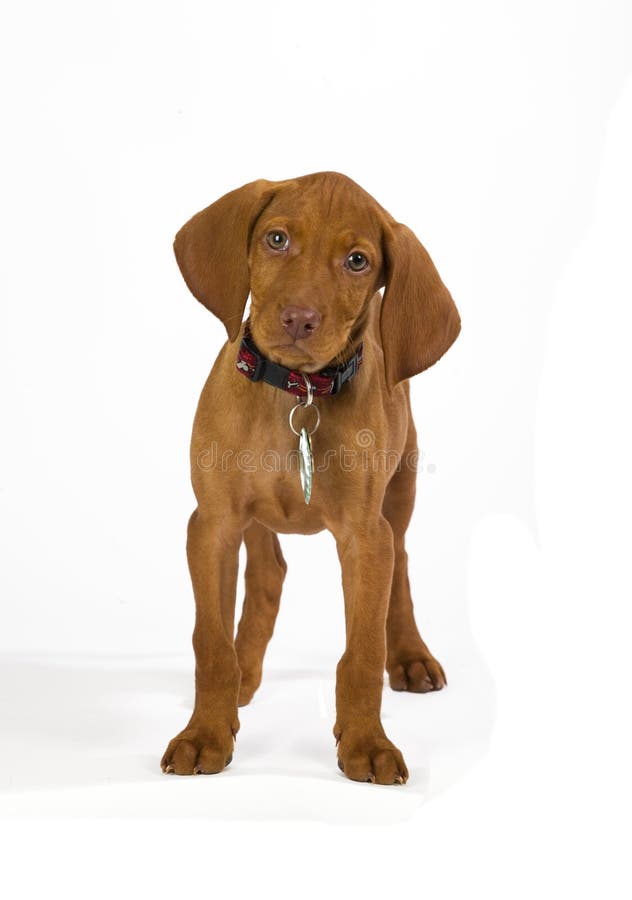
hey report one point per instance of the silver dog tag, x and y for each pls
(305, 454)
(305, 463)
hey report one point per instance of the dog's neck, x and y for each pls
(254, 365)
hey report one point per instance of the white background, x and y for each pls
(500, 132)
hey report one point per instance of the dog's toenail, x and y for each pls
(370, 779)
(229, 760)
(169, 769)
(341, 765)
(398, 779)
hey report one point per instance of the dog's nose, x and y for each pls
(300, 321)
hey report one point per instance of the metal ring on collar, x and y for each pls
(304, 405)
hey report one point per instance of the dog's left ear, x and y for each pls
(419, 320)
(212, 251)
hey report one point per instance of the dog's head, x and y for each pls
(312, 252)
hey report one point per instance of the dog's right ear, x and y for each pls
(212, 251)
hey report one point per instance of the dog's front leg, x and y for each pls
(364, 751)
(206, 744)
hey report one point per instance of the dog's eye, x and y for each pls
(278, 240)
(356, 261)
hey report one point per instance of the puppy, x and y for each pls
(321, 364)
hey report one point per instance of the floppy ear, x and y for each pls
(418, 319)
(212, 252)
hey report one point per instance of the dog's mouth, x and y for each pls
(293, 353)
(303, 355)
(306, 354)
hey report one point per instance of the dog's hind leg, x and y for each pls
(265, 572)
(409, 663)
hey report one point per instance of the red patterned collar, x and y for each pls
(254, 365)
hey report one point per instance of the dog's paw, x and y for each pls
(199, 751)
(419, 673)
(371, 757)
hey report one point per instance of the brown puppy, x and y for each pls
(313, 253)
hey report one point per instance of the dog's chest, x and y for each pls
(246, 459)
(350, 472)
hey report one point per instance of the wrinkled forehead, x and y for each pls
(334, 202)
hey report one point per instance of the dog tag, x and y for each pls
(305, 463)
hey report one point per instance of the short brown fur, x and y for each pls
(223, 255)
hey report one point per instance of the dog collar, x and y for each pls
(254, 365)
